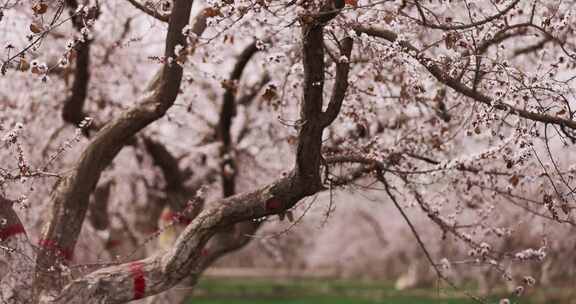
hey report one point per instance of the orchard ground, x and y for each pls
(312, 291)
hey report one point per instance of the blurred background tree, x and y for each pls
(421, 144)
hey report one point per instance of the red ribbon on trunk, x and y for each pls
(139, 281)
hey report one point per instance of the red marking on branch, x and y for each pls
(139, 281)
(204, 252)
(274, 205)
(64, 253)
(10, 231)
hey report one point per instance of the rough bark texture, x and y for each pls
(189, 255)
(15, 252)
(71, 194)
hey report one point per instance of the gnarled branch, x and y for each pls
(70, 196)
(158, 273)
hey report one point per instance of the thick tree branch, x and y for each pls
(308, 149)
(74, 104)
(308, 152)
(312, 51)
(116, 284)
(341, 83)
(70, 196)
(158, 273)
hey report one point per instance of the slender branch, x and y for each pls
(446, 27)
(149, 11)
(381, 178)
(458, 86)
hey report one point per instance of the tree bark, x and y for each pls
(188, 256)
(70, 195)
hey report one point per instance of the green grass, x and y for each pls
(315, 300)
(309, 291)
(316, 291)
